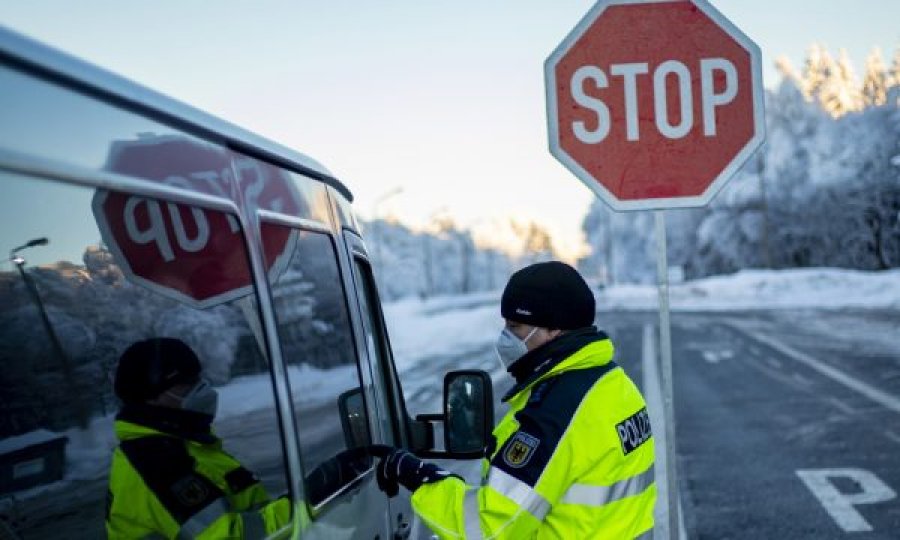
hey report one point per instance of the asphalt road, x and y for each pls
(786, 422)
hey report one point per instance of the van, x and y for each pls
(127, 215)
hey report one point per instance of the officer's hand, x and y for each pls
(400, 467)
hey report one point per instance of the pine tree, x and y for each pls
(838, 92)
(893, 77)
(817, 69)
(874, 88)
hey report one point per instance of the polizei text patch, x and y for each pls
(634, 430)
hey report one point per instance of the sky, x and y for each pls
(422, 108)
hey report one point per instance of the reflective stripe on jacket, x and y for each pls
(160, 485)
(573, 459)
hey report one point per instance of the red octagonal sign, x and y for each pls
(654, 104)
(196, 256)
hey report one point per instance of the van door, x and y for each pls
(390, 396)
(328, 380)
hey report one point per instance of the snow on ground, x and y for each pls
(442, 325)
(767, 289)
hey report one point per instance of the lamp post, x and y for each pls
(376, 236)
(19, 262)
(429, 250)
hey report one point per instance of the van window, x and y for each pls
(376, 342)
(90, 273)
(317, 345)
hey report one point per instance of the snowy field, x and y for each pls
(421, 329)
(424, 329)
(824, 288)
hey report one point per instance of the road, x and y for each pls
(786, 421)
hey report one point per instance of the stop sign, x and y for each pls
(194, 255)
(654, 104)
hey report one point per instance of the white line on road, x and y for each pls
(773, 362)
(882, 398)
(803, 380)
(847, 409)
(653, 395)
(892, 436)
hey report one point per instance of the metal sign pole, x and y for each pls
(665, 348)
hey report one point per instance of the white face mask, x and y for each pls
(510, 348)
(202, 398)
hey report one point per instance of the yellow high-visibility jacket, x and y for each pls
(573, 459)
(171, 487)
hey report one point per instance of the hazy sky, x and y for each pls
(445, 99)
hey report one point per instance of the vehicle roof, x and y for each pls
(87, 78)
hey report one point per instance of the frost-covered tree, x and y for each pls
(839, 91)
(442, 260)
(875, 80)
(818, 70)
(893, 78)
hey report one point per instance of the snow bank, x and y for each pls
(447, 325)
(766, 289)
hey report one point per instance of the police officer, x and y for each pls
(573, 457)
(169, 475)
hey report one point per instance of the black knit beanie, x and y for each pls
(550, 295)
(150, 367)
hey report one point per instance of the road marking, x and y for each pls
(892, 436)
(774, 362)
(653, 395)
(842, 406)
(802, 380)
(840, 506)
(882, 398)
(711, 357)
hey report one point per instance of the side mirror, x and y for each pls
(352, 409)
(468, 413)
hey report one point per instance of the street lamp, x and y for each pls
(376, 235)
(383, 197)
(42, 241)
(19, 262)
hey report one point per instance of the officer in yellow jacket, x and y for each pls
(573, 457)
(170, 476)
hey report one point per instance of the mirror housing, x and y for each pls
(468, 418)
(468, 412)
(352, 410)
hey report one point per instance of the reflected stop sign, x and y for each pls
(195, 255)
(654, 104)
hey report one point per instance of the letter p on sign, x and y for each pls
(654, 104)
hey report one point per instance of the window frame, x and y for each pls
(388, 378)
(364, 377)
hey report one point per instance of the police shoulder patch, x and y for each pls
(191, 490)
(519, 449)
(634, 431)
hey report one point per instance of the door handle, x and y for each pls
(403, 530)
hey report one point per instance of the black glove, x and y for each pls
(399, 467)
